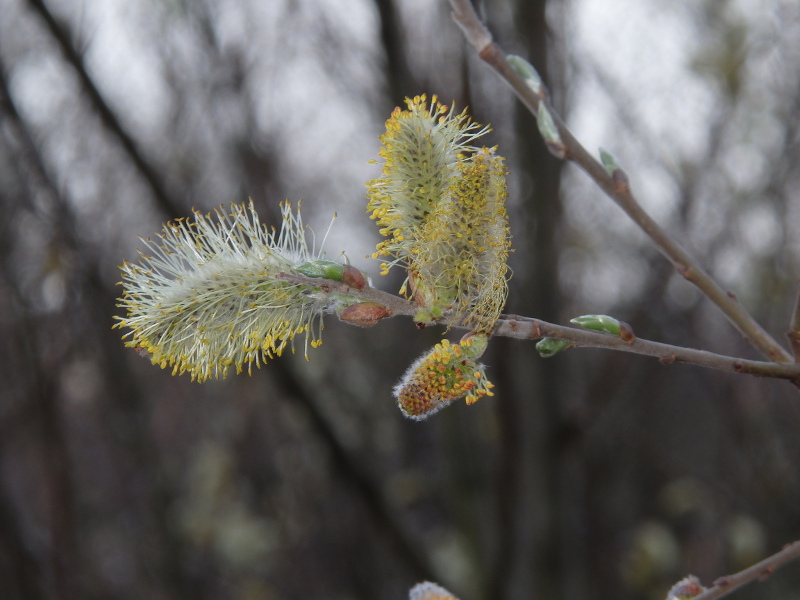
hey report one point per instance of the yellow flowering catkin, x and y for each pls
(207, 297)
(441, 205)
(442, 375)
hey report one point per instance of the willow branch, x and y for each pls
(760, 571)
(615, 186)
(794, 327)
(527, 328)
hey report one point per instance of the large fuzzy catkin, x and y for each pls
(441, 205)
(208, 298)
(462, 249)
(421, 149)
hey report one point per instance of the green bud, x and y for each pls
(609, 162)
(527, 71)
(618, 176)
(549, 131)
(548, 347)
(474, 344)
(325, 269)
(602, 323)
(547, 126)
(423, 315)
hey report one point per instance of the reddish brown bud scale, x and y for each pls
(626, 332)
(622, 184)
(354, 278)
(557, 149)
(364, 314)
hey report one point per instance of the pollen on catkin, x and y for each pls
(463, 246)
(440, 203)
(207, 296)
(444, 374)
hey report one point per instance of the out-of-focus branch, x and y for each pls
(22, 562)
(399, 75)
(614, 185)
(169, 206)
(406, 548)
(127, 394)
(527, 328)
(725, 585)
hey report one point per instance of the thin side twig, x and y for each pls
(794, 327)
(616, 187)
(527, 328)
(759, 571)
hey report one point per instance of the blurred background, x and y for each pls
(589, 475)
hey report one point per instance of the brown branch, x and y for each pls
(126, 395)
(408, 549)
(615, 186)
(760, 571)
(794, 327)
(527, 328)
